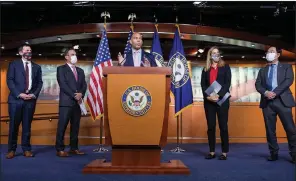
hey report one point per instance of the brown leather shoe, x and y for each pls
(10, 155)
(62, 154)
(76, 152)
(28, 154)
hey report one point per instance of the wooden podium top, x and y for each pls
(137, 70)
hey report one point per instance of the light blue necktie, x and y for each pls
(270, 77)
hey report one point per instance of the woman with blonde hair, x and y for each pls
(216, 70)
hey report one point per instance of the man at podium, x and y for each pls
(136, 56)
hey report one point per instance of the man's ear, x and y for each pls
(20, 53)
(278, 55)
(130, 41)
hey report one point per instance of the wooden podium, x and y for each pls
(136, 108)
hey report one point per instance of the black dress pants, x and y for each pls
(212, 110)
(273, 109)
(66, 114)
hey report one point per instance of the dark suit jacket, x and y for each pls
(285, 78)
(149, 56)
(16, 81)
(223, 78)
(69, 86)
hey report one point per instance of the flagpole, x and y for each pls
(156, 27)
(181, 121)
(178, 149)
(101, 149)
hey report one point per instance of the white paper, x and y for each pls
(220, 102)
(83, 108)
(213, 90)
(214, 87)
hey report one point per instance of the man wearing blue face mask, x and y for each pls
(273, 83)
(24, 80)
(72, 84)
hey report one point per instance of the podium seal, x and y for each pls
(136, 101)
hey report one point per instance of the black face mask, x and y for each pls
(27, 56)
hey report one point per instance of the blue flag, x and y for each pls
(181, 82)
(156, 49)
(128, 46)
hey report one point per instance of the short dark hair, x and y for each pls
(278, 50)
(67, 51)
(22, 46)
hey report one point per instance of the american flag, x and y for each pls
(95, 93)
(128, 46)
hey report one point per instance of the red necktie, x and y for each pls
(75, 73)
(27, 76)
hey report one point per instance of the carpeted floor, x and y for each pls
(246, 162)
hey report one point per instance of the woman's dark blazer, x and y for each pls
(223, 78)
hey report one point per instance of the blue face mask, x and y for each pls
(215, 58)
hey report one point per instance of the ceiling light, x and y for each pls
(198, 55)
(263, 57)
(221, 40)
(196, 2)
(62, 54)
(221, 56)
(2, 47)
(40, 54)
(26, 42)
(252, 45)
(76, 47)
(84, 54)
(80, 2)
(17, 54)
(59, 38)
(194, 53)
(243, 56)
(200, 50)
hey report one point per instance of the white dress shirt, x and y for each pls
(30, 72)
(137, 57)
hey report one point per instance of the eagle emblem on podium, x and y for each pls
(136, 101)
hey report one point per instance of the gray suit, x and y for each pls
(281, 105)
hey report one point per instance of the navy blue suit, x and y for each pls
(21, 110)
(69, 109)
(130, 62)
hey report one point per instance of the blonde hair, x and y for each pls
(221, 62)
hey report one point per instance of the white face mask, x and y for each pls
(73, 59)
(270, 56)
(215, 58)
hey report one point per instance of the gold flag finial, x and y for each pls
(131, 17)
(106, 15)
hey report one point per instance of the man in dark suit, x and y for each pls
(24, 80)
(72, 84)
(273, 83)
(137, 57)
